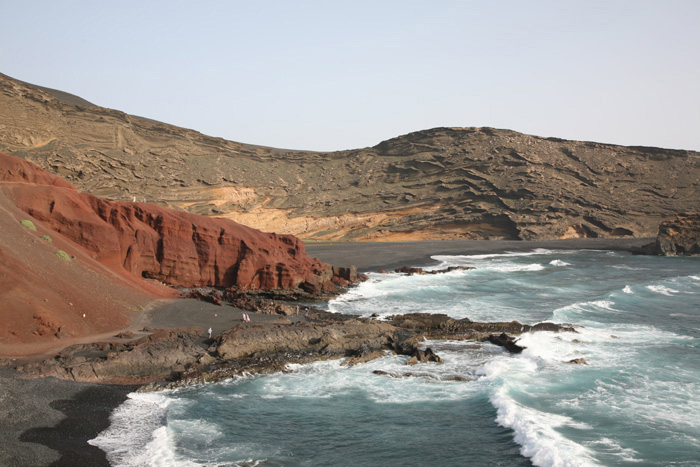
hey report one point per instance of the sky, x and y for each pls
(331, 75)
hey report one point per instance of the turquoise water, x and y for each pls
(634, 403)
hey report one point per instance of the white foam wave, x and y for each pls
(614, 448)
(558, 262)
(513, 267)
(535, 431)
(660, 289)
(137, 435)
(627, 289)
(397, 383)
(508, 254)
(626, 267)
(672, 410)
(577, 311)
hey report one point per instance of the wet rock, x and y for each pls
(506, 341)
(421, 375)
(578, 361)
(423, 356)
(364, 356)
(441, 326)
(409, 270)
(420, 271)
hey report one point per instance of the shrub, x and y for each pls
(63, 255)
(28, 224)
(47, 238)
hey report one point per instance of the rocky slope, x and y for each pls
(434, 184)
(73, 264)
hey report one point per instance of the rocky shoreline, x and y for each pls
(98, 377)
(58, 416)
(95, 378)
(168, 358)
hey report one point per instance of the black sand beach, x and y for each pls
(370, 256)
(48, 421)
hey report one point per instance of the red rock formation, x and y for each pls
(14, 169)
(174, 247)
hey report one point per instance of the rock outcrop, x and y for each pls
(182, 357)
(679, 237)
(326, 340)
(435, 184)
(151, 358)
(150, 241)
(506, 341)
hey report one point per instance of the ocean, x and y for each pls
(636, 401)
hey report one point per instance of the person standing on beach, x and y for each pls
(209, 333)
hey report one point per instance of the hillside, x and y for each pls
(434, 184)
(73, 265)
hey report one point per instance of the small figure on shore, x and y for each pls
(246, 318)
(210, 333)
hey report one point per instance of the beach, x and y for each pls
(46, 421)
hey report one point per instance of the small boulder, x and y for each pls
(504, 340)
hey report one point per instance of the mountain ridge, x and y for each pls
(440, 183)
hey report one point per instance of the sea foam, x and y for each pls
(536, 433)
(137, 435)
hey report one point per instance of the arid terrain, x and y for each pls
(131, 213)
(444, 183)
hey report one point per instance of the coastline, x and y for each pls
(47, 421)
(370, 256)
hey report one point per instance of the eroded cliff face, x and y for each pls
(679, 236)
(434, 184)
(150, 241)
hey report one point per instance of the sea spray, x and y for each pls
(631, 399)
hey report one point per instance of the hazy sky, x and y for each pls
(328, 75)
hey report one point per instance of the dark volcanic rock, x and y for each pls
(504, 340)
(441, 326)
(150, 358)
(680, 236)
(179, 355)
(420, 271)
(334, 340)
(423, 356)
(440, 183)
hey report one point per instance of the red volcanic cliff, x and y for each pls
(174, 247)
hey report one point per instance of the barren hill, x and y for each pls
(434, 184)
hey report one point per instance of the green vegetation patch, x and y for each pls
(63, 255)
(47, 238)
(28, 224)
